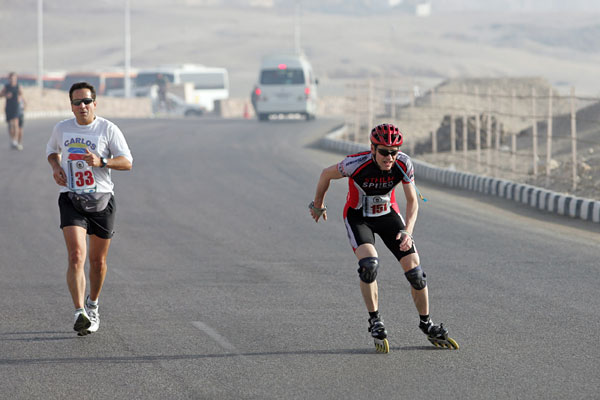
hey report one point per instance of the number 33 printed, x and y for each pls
(84, 178)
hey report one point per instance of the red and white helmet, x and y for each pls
(386, 135)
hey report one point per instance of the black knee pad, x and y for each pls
(367, 270)
(416, 277)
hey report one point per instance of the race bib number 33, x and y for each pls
(80, 177)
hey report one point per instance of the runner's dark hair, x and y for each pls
(82, 85)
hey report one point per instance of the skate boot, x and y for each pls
(438, 335)
(379, 335)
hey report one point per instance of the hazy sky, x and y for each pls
(437, 6)
(516, 5)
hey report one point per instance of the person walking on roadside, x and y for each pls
(14, 98)
(162, 83)
(21, 122)
(82, 152)
(371, 209)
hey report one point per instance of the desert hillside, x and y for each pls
(562, 48)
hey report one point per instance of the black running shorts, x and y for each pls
(100, 224)
(362, 230)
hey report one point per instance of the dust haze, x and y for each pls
(360, 39)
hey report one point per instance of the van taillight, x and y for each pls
(307, 92)
(257, 91)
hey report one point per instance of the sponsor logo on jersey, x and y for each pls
(380, 182)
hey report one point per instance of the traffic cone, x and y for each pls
(246, 113)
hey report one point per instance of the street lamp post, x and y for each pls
(40, 37)
(127, 81)
(297, 44)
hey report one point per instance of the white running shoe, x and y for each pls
(94, 315)
(82, 323)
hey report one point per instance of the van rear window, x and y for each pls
(282, 77)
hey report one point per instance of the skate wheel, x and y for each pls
(382, 346)
(445, 344)
(453, 344)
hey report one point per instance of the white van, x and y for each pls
(210, 84)
(286, 85)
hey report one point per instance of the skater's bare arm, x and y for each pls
(327, 175)
(412, 209)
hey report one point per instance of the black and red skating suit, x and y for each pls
(371, 206)
(371, 188)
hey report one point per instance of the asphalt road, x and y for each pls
(220, 285)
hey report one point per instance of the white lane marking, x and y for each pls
(214, 335)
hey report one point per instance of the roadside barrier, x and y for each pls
(542, 199)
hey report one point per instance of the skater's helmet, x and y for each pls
(386, 135)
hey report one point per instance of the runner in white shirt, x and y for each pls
(82, 152)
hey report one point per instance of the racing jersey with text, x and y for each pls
(370, 188)
(72, 141)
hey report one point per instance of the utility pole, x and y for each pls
(127, 63)
(40, 38)
(297, 46)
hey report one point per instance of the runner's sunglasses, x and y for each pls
(85, 101)
(386, 153)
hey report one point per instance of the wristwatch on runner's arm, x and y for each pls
(103, 162)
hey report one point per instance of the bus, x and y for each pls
(210, 84)
(103, 82)
(50, 80)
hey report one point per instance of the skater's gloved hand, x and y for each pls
(317, 212)
(406, 240)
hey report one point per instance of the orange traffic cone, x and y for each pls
(246, 113)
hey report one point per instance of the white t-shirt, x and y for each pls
(101, 137)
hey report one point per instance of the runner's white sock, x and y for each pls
(92, 303)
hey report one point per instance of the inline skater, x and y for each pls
(371, 209)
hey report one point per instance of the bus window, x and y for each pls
(115, 83)
(149, 78)
(202, 81)
(92, 79)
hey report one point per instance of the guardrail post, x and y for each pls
(549, 138)
(477, 127)
(534, 131)
(452, 135)
(573, 139)
(513, 144)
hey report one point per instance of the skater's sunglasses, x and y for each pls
(386, 153)
(85, 101)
